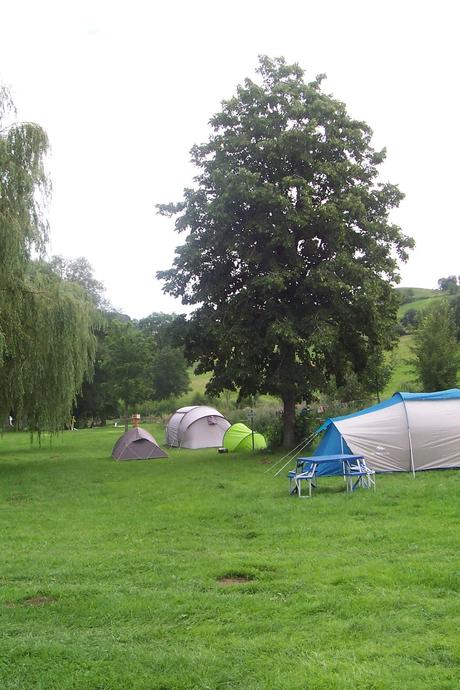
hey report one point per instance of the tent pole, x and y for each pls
(412, 466)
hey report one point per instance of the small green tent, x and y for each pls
(239, 437)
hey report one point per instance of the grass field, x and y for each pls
(111, 574)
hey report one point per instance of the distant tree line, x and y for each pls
(136, 361)
(449, 285)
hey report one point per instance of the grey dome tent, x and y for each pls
(409, 432)
(197, 426)
(137, 444)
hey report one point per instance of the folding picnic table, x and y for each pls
(352, 466)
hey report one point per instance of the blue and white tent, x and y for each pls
(407, 433)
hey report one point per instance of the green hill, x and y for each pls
(417, 298)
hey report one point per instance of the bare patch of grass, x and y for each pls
(235, 579)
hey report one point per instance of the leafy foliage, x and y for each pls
(436, 352)
(290, 253)
(155, 322)
(127, 363)
(169, 374)
(449, 285)
(411, 319)
(80, 271)
(46, 326)
(98, 400)
(455, 305)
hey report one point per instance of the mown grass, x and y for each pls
(110, 574)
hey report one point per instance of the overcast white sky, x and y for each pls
(124, 89)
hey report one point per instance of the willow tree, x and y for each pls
(290, 254)
(46, 339)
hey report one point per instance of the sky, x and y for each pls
(125, 89)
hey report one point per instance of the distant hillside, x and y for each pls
(417, 298)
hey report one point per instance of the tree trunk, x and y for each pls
(288, 419)
(126, 417)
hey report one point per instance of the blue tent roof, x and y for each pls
(437, 395)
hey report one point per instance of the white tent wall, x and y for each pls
(172, 430)
(381, 436)
(408, 436)
(196, 426)
(435, 432)
(203, 434)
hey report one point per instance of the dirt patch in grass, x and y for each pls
(17, 499)
(39, 600)
(234, 579)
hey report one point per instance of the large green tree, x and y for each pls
(46, 325)
(128, 358)
(98, 399)
(169, 373)
(436, 351)
(290, 255)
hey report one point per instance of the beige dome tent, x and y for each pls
(137, 444)
(198, 426)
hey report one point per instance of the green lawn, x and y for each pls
(110, 574)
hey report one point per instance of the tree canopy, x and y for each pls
(436, 351)
(449, 284)
(169, 373)
(46, 325)
(290, 255)
(161, 326)
(80, 271)
(128, 363)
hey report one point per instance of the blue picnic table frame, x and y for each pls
(306, 471)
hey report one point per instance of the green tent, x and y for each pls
(239, 437)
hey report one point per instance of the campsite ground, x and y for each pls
(112, 574)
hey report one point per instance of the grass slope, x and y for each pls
(419, 304)
(421, 299)
(418, 293)
(110, 574)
